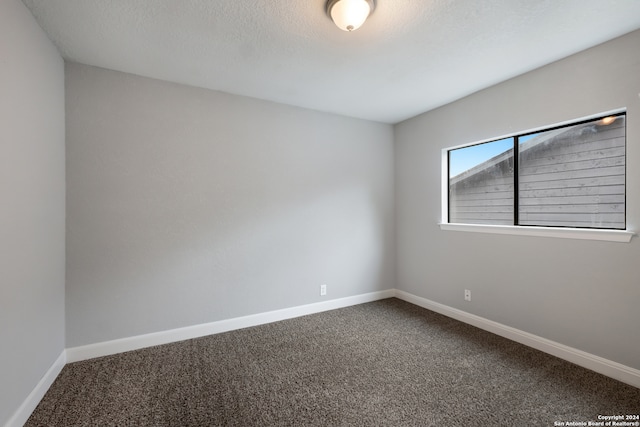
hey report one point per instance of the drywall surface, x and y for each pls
(583, 294)
(32, 212)
(188, 206)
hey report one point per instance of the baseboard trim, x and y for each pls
(23, 413)
(107, 348)
(598, 364)
(595, 363)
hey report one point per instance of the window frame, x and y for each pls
(604, 234)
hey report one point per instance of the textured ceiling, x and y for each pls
(409, 57)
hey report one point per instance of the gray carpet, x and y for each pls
(386, 363)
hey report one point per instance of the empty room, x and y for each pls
(319, 212)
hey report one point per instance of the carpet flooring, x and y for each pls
(386, 363)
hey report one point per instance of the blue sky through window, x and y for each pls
(525, 138)
(463, 159)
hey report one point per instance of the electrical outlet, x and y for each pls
(467, 295)
(323, 290)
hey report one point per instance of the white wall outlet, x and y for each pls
(467, 295)
(323, 290)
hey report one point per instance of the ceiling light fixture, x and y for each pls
(349, 15)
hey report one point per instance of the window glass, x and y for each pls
(574, 176)
(566, 176)
(481, 183)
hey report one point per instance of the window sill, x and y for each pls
(623, 236)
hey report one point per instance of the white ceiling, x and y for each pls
(409, 57)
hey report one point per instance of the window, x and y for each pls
(567, 176)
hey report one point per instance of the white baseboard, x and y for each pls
(598, 364)
(23, 413)
(107, 348)
(595, 363)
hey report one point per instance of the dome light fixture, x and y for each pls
(349, 15)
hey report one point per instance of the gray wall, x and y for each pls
(32, 208)
(188, 206)
(584, 294)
